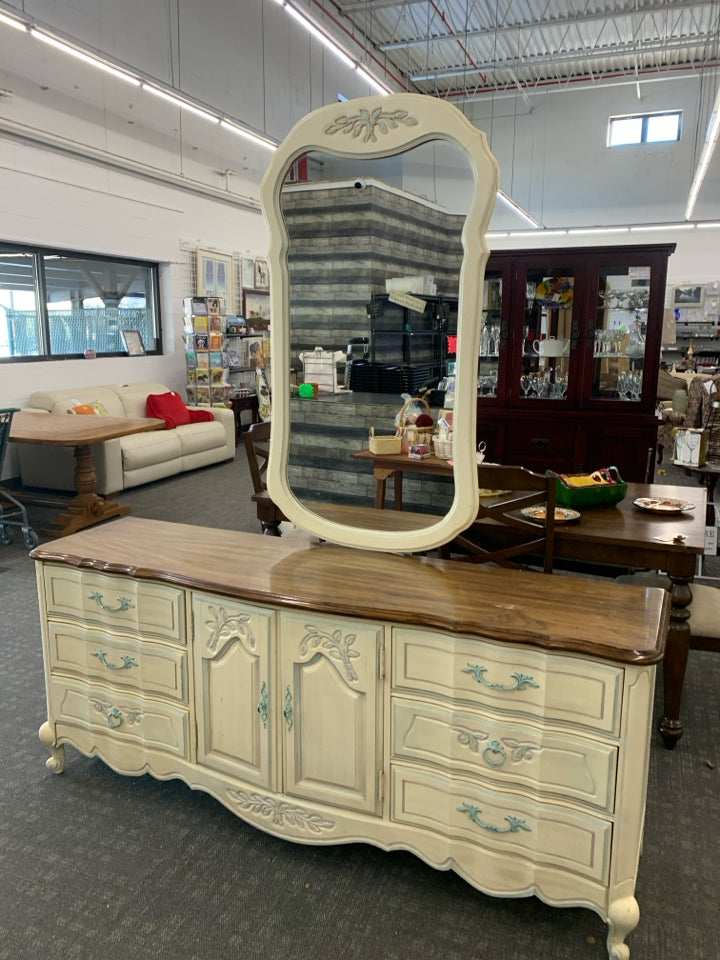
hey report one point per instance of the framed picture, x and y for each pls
(262, 277)
(689, 295)
(256, 305)
(215, 276)
(133, 343)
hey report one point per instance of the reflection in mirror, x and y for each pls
(360, 194)
(353, 225)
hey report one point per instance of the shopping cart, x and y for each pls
(10, 508)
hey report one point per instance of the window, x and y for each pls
(644, 128)
(57, 304)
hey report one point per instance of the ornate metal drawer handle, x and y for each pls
(262, 707)
(494, 754)
(124, 603)
(116, 716)
(522, 680)
(127, 661)
(514, 823)
(288, 708)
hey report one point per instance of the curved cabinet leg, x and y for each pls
(56, 762)
(623, 917)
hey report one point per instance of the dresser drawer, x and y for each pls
(550, 764)
(136, 606)
(154, 725)
(508, 677)
(539, 833)
(122, 661)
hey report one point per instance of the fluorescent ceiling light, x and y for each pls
(242, 132)
(705, 157)
(707, 226)
(183, 104)
(537, 233)
(518, 209)
(332, 45)
(12, 22)
(598, 230)
(85, 57)
(320, 35)
(497, 234)
(665, 226)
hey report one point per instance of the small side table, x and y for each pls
(708, 474)
(238, 404)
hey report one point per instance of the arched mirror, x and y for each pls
(404, 179)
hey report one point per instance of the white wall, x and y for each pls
(252, 61)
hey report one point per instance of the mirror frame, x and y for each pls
(373, 127)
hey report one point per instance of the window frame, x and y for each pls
(645, 118)
(39, 253)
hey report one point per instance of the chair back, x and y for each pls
(257, 448)
(502, 532)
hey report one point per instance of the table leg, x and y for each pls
(675, 662)
(381, 475)
(86, 508)
(397, 490)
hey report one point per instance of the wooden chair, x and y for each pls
(704, 610)
(257, 448)
(500, 532)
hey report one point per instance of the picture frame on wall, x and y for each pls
(256, 306)
(215, 276)
(689, 295)
(262, 276)
(133, 343)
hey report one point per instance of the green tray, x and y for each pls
(602, 495)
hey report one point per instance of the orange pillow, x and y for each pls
(88, 409)
(169, 407)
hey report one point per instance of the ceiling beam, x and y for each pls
(497, 30)
(516, 64)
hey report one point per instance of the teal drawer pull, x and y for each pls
(124, 603)
(522, 680)
(127, 661)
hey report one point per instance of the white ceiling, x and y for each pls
(463, 49)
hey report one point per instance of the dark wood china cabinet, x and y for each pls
(569, 357)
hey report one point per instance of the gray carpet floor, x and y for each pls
(95, 866)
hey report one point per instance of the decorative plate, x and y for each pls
(663, 504)
(484, 492)
(562, 514)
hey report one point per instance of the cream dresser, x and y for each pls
(490, 721)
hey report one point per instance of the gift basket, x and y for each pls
(414, 424)
(601, 488)
(391, 443)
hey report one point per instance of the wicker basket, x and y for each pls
(385, 444)
(409, 434)
(443, 448)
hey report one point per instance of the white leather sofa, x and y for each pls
(126, 461)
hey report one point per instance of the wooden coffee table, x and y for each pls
(67, 430)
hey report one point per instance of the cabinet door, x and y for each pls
(331, 709)
(233, 692)
(625, 317)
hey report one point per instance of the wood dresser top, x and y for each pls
(599, 618)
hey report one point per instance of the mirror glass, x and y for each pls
(377, 210)
(355, 227)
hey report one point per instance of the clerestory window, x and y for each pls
(644, 128)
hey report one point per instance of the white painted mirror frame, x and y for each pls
(372, 127)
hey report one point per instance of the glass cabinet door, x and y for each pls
(548, 333)
(493, 333)
(620, 330)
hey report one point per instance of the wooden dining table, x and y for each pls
(86, 508)
(619, 536)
